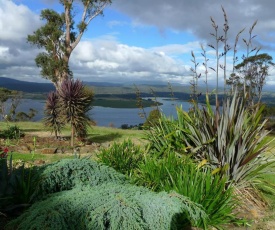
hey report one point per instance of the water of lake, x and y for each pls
(105, 116)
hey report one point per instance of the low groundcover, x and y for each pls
(82, 194)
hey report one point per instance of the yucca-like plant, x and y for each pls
(52, 112)
(75, 102)
(168, 134)
(233, 140)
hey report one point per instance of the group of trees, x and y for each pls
(58, 37)
(251, 76)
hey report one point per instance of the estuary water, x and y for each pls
(105, 116)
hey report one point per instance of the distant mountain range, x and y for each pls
(122, 90)
(35, 87)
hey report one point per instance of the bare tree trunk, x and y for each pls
(72, 135)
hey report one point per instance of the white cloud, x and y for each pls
(194, 16)
(108, 59)
(16, 21)
(177, 49)
(115, 23)
(16, 56)
(102, 59)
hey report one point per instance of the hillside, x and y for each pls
(107, 90)
(35, 87)
(101, 89)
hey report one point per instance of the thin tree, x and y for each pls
(252, 73)
(59, 36)
(75, 102)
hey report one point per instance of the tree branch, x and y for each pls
(96, 13)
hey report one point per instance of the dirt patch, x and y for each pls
(44, 143)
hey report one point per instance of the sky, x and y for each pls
(144, 41)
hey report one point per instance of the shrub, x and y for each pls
(154, 171)
(207, 190)
(123, 157)
(152, 119)
(13, 132)
(124, 126)
(234, 142)
(69, 173)
(109, 206)
(16, 184)
(168, 134)
(186, 178)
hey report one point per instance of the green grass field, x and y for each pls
(96, 134)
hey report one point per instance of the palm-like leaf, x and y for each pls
(75, 102)
(52, 113)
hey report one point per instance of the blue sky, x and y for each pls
(136, 41)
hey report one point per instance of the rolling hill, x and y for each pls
(35, 87)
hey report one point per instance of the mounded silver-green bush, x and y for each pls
(109, 206)
(69, 173)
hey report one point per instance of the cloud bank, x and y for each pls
(105, 58)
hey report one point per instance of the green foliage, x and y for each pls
(269, 111)
(123, 157)
(152, 119)
(69, 173)
(5, 171)
(16, 185)
(207, 190)
(109, 206)
(251, 77)
(59, 36)
(22, 116)
(186, 178)
(154, 171)
(234, 142)
(51, 38)
(168, 134)
(13, 132)
(101, 198)
(5, 94)
(14, 97)
(11, 99)
(270, 126)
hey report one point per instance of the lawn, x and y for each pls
(98, 136)
(100, 133)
